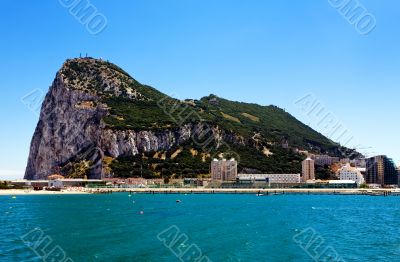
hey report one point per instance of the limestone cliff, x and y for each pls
(94, 110)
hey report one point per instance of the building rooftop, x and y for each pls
(341, 182)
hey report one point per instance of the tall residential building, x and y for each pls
(308, 169)
(348, 172)
(381, 170)
(224, 170)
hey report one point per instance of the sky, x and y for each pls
(298, 55)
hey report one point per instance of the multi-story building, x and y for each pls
(224, 170)
(398, 176)
(323, 160)
(381, 170)
(269, 178)
(348, 172)
(308, 170)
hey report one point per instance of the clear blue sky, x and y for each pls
(267, 52)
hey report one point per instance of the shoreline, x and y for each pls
(21, 192)
(313, 191)
(255, 191)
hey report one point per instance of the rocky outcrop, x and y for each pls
(64, 129)
(71, 126)
(95, 113)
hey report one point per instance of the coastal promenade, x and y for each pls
(263, 192)
(252, 191)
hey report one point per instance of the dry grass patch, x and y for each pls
(229, 117)
(251, 117)
(106, 164)
(267, 152)
(204, 157)
(194, 152)
(176, 153)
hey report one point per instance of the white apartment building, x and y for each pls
(348, 172)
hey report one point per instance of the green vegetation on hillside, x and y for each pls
(324, 173)
(185, 164)
(271, 123)
(146, 165)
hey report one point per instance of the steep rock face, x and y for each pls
(65, 127)
(71, 124)
(128, 143)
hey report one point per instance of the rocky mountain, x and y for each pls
(97, 121)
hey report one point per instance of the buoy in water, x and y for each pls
(141, 212)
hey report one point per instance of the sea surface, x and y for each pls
(138, 227)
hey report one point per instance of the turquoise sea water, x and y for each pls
(117, 227)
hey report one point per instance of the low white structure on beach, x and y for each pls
(270, 178)
(342, 183)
